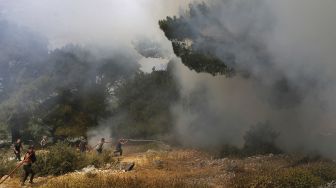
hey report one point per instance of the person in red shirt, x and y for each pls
(28, 160)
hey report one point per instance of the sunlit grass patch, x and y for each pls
(127, 181)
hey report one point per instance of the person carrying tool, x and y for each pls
(118, 148)
(99, 146)
(28, 160)
(17, 149)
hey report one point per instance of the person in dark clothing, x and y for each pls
(28, 160)
(82, 145)
(17, 149)
(118, 148)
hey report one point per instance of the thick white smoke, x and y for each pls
(298, 36)
(113, 24)
(108, 28)
(298, 39)
(105, 22)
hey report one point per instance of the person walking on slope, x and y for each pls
(28, 160)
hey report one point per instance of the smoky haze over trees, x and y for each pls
(279, 77)
(69, 91)
(64, 91)
(239, 64)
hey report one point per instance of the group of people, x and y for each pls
(30, 157)
(83, 146)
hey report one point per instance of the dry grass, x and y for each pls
(5, 163)
(192, 168)
(175, 172)
(283, 172)
(114, 180)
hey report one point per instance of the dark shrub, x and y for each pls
(60, 159)
(260, 139)
(230, 151)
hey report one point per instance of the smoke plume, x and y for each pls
(120, 32)
(283, 53)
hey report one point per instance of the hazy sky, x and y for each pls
(110, 23)
(86, 21)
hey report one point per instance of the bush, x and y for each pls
(307, 159)
(61, 159)
(5, 165)
(260, 139)
(230, 151)
(98, 160)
